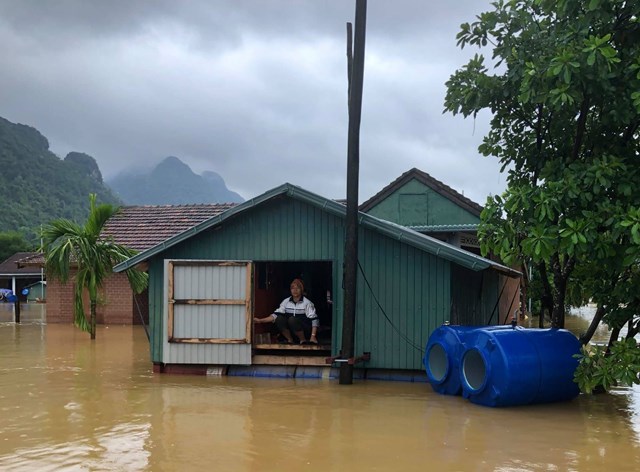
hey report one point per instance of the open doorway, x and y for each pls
(271, 286)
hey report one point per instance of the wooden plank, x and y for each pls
(170, 295)
(210, 301)
(201, 263)
(288, 360)
(293, 347)
(208, 341)
(248, 302)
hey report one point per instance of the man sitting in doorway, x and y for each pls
(296, 314)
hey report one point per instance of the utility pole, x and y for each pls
(16, 309)
(350, 270)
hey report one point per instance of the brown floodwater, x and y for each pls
(67, 403)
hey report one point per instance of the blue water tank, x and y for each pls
(519, 366)
(443, 353)
(442, 358)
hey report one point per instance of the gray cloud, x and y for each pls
(255, 91)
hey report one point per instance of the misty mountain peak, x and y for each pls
(172, 163)
(85, 163)
(172, 182)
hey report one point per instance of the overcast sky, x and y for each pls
(253, 90)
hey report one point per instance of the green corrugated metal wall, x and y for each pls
(406, 298)
(411, 286)
(474, 297)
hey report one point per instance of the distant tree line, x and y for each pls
(12, 242)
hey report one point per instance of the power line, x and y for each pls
(396, 329)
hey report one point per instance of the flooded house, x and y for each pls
(15, 278)
(207, 283)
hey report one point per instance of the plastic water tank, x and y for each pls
(443, 353)
(442, 358)
(519, 366)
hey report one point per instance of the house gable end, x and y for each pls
(464, 209)
(416, 204)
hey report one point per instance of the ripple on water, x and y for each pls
(121, 447)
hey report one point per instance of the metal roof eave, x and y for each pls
(444, 228)
(437, 247)
(392, 230)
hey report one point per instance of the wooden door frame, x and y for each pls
(247, 302)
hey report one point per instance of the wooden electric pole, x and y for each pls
(16, 309)
(350, 270)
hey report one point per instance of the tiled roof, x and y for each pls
(426, 179)
(144, 226)
(141, 227)
(10, 266)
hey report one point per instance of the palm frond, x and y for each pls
(118, 253)
(98, 216)
(138, 280)
(59, 241)
(56, 228)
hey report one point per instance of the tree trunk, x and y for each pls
(546, 301)
(615, 332)
(93, 319)
(597, 318)
(633, 329)
(557, 319)
(559, 293)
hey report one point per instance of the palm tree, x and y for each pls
(67, 244)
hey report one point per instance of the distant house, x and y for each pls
(139, 228)
(426, 205)
(36, 292)
(208, 282)
(14, 277)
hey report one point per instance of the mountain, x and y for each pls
(36, 186)
(172, 182)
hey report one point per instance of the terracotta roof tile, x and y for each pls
(142, 227)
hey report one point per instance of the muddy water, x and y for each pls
(69, 404)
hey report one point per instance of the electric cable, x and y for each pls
(402, 335)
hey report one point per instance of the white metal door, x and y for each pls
(208, 312)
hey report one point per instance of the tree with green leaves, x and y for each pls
(82, 253)
(12, 242)
(563, 85)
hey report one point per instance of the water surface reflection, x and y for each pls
(70, 404)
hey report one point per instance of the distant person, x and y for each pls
(296, 314)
